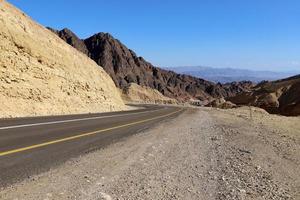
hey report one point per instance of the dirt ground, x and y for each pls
(202, 154)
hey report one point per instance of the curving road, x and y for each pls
(32, 145)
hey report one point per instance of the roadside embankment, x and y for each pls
(42, 75)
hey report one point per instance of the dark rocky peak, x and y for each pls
(102, 35)
(53, 30)
(68, 32)
(101, 38)
(125, 67)
(71, 38)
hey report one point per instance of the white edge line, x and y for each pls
(74, 120)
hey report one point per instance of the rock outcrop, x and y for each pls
(125, 67)
(135, 93)
(277, 97)
(41, 75)
(221, 103)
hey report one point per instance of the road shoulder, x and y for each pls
(201, 154)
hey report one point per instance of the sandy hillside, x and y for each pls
(140, 94)
(42, 75)
(204, 154)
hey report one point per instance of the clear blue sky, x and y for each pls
(254, 34)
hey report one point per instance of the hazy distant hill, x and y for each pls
(225, 75)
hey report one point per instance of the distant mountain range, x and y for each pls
(226, 75)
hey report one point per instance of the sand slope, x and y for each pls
(42, 75)
(143, 94)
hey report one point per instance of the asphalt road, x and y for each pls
(30, 146)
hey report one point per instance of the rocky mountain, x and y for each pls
(125, 67)
(68, 36)
(278, 97)
(227, 75)
(41, 75)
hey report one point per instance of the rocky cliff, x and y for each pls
(125, 67)
(41, 75)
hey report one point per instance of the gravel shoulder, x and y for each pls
(202, 154)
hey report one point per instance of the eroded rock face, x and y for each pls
(277, 97)
(41, 75)
(125, 67)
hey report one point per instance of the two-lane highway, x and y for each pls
(32, 145)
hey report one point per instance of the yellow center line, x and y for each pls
(83, 135)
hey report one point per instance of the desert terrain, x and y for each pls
(67, 130)
(277, 97)
(205, 153)
(42, 75)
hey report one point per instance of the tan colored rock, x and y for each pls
(142, 94)
(42, 75)
(221, 103)
(276, 97)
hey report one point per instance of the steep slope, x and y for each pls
(142, 94)
(41, 75)
(125, 67)
(68, 36)
(279, 97)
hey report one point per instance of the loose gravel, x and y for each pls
(202, 154)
